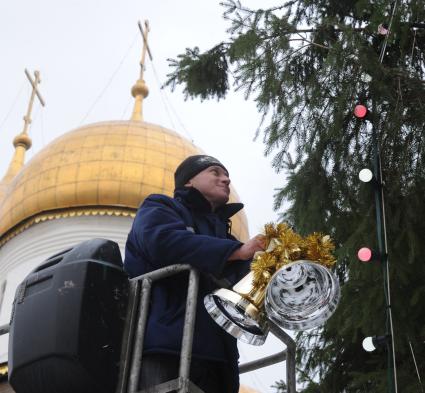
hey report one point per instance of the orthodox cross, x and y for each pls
(146, 48)
(22, 141)
(34, 83)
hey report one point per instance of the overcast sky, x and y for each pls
(88, 52)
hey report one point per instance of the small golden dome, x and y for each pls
(22, 140)
(140, 88)
(113, 164)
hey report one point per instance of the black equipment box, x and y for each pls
(67, 322)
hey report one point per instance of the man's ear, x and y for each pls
(188, 184)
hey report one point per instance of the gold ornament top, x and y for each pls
(283, 246)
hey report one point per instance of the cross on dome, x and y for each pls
(140, 91)
(22, 141)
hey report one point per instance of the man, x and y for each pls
(191, 228)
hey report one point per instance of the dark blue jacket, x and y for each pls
(184, 230)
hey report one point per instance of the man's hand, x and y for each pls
(247, 250)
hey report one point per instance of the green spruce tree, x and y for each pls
(306, 64)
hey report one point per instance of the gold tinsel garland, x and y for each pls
(283, 246)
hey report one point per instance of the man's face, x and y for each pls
(213, 182)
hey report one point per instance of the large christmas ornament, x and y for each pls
(290, 283)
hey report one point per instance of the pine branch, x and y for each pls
(306, 81)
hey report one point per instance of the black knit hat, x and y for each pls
(191, 166)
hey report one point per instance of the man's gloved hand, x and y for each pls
(248, 249)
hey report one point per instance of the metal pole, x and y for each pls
(263, 362)
(290, 356)
(382, 231)
(4, 329)
(136, 362)
(383, 251)
(189, 326)
(128, 335)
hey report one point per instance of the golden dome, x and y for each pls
(102, 168)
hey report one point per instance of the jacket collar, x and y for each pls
(194, 199)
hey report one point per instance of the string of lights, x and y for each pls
(366, 254)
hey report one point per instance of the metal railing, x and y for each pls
(4, 329)
(132, 351)
(134, 332)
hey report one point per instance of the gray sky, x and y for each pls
(88, 53)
